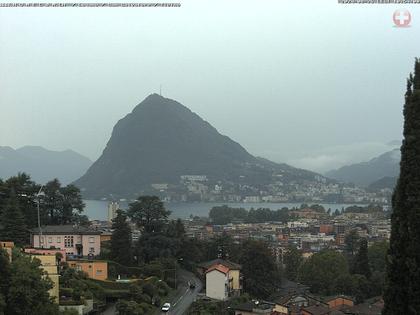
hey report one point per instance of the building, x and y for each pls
(112, 210)
(75, 240)
(318, 309)
(106, 236)
(260, 307)
(223, 278)
(218, 282)
(339, 302)
(49, 265)
(95, 269)
(60, 254)
(7, 246)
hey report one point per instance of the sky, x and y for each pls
(315, 84)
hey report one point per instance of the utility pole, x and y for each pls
(39, 217)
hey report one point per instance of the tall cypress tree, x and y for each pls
(121, 250)
(402, 293)
(13, 227)
(361, 261)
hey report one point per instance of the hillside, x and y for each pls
(382, 183)
(161, 140)
(365, 173)
(42, 164)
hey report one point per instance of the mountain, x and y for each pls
(161, 140)
(42, 164)
(365, 173)
(384, 182)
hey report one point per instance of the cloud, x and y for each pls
(333, 157)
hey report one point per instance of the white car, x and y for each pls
(166, 307)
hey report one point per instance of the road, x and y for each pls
(184, 296)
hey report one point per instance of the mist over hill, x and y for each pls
(42, 164)
(363, 174)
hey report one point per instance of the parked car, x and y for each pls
(166, 307)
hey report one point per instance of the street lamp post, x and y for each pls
(39, 217)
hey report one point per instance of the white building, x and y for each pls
(112, 210)
(218, 282)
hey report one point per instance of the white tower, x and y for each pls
(113, 206)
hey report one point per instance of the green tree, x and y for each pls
(24, 190)
(361, 260)
(292, 260)
(153, 246)
(402, 294)
(13, 227)
(62, 205)
(5, 279)
(222, 247)
(321, 270)
(261, 274)
(28, 289)
(176, 229)
(361, 289)
(351, 242)
(377, 256)
(149, 213)
(121, 249)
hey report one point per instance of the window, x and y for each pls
(98, 272)
(50, 239)
(91, 250)
(90, 266)
(68, 241)
(59, 239)
(91, 239)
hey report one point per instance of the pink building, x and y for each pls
(75, 240)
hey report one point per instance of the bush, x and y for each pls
(68, 292)
(116, 294)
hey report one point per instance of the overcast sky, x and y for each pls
(312, 83)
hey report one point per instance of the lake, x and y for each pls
(98, 209)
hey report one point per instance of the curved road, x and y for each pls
(184, 296)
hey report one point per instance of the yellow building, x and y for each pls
(95, 269)
(49, 265)
(7, 246)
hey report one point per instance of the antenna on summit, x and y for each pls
(160, 90)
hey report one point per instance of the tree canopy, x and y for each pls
(402, 294)
(261, 274)
(149, 213)
(25, 289)
(121, 247)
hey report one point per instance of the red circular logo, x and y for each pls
(402, 18)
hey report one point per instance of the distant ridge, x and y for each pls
(161, 140)
(42, 164)
(365, 173)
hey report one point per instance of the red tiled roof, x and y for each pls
(219, 267)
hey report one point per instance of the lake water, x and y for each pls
(98, 209)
